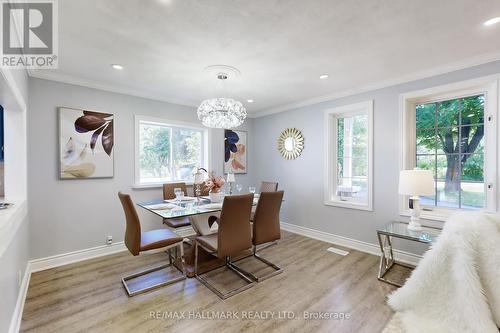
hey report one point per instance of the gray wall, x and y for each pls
(72, 215)
(303, 179)
(12, 261)
(78, 214)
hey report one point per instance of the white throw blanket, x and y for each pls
(456, 286)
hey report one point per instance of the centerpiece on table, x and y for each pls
(214, 184)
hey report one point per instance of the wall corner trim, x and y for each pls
(402, 256)
(15, 322)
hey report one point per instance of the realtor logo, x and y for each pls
(29, 34)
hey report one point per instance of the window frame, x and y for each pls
(206, 143)
(331, 144)
(487, 86)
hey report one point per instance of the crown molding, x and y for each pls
(70, 79)
(455, 66)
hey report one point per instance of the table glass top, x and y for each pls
(400, 230)
(171, 209)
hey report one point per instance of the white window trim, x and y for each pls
(489, 86)
(331, 154)
(207, 133)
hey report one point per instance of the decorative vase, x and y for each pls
(215, 196)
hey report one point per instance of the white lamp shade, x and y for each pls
(416, 182)
(230, 178)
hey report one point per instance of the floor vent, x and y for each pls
(337, 251)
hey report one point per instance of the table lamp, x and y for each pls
(415, 183)
(230, 179)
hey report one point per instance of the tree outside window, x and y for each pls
(450, 142)
(168, 153)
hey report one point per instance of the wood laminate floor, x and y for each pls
(89, 297)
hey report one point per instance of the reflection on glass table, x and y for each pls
(399, 230)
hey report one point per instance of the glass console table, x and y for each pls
(399, 230)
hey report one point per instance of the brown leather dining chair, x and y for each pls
(138, 241)
(266, 229)
(265, 187)
(268, 186)
(233, 237)
(168, 194)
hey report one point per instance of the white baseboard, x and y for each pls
(15, 322)
(402, 256)
(42, 264)
(94, 252)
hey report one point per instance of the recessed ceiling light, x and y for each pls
(492, 21)
(250, 100)
(117, 66)
(323, 76)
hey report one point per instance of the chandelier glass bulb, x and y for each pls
(221, 113)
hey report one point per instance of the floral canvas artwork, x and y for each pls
(235, 151)
(86, 141)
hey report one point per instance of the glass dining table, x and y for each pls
(196, 209)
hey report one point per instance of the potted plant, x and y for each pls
(214, 184)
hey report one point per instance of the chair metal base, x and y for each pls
(277, 270)
(265, 246)
(155, 269)
(230, 266)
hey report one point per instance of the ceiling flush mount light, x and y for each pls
(221, 112)
(250, 100)
(492, 21)
(323, 76)
(117, 66)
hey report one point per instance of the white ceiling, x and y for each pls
(280, 46)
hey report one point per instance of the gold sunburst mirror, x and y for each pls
(291, 143)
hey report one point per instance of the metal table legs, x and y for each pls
(387, 259)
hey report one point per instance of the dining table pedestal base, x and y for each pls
(206, 261)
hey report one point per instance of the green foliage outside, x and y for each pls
(155, 151)
(450, 141)
(186, 152)
(169, 153)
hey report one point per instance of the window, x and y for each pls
(168, 152)
(450, 143)
(349, 150)
(451, 131)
